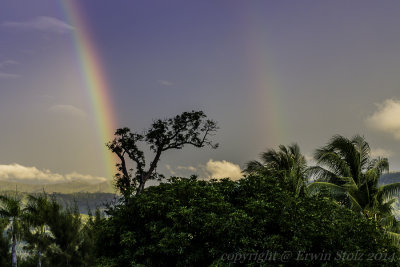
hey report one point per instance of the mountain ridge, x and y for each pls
(64, 188)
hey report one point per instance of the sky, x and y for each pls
(269, 72)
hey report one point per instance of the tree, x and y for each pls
(346, 168)
(287, 163)
(65, 226)
(188, 128)
(36, 230)
(56, 236)
(90, 236)
(11, 209)
(4, 243)
(187, 222)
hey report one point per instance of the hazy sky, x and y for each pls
(270, 72)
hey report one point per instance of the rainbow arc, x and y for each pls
(95, 80)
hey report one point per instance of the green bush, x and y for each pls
(197, 223)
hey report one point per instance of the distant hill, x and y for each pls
(86, 201)
(390, 178)
(64, 188)
(85, 195)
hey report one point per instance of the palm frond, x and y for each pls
(321, 175)
(390, 190)
(347, 151)
(333, 188)
(363, 149)
(388, 221)
(349, 183)
(395, 237)
(334, 162)
(380, 165)
(253, 166)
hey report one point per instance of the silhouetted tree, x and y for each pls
(188, 128)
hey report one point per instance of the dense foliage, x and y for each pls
(197, 223)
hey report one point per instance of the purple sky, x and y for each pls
(270, 72)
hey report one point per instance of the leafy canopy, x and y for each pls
(189, 128)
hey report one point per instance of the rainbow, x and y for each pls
(265, 79)
(95, 82)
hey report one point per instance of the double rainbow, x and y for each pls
(95, 82)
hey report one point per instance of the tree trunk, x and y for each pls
(140, 188)
(148, 174)
(39, 263)
(14, 251)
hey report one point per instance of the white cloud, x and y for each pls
(186, 168)
(184, 171)
(74, 176)
(4, 75)
(165, 83)
(386, 118)
(69, 109)
(43, 23)
(380, 152)
(18, 173)
(169, 168)
(223, 169)
(7, 63)
(213, 169)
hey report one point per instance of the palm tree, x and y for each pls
(10, 208)
(287, 163)
(36, 231)
(347, 170)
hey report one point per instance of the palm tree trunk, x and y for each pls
(39, 263)
(14, 251)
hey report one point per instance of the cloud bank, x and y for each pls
(213, 169)
(386, 118)
(187, 168)
(18, 173)
(43, 23)
(223, 169)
